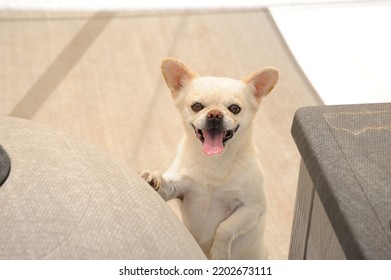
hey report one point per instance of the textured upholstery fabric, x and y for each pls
(346, 150)
(66, 200)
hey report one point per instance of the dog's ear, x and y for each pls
(263, 81)
(176, 74)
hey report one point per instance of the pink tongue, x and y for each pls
(213, 143)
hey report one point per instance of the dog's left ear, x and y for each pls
(176, 74)
(263, 81)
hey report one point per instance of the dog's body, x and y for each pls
(220, 184)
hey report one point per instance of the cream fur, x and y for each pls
(223, 199)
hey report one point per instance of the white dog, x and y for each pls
(216, 173)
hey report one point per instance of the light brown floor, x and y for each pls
(98, 76)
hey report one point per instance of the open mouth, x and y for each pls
(214, 140)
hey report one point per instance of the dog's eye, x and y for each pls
(235, 109)
(196, 107)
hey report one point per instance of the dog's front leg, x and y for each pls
(240, 222)
(165, 187)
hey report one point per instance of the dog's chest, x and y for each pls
(204, 210)
(215, 204)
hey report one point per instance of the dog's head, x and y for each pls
(217, 109)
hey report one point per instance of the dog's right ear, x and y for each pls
(176, 74)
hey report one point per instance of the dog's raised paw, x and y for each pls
(153, 178)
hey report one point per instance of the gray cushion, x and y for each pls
(65, 199)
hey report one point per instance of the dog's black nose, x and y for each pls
(214, 114)
(214, 120)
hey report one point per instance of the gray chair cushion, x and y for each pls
(67, 200)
